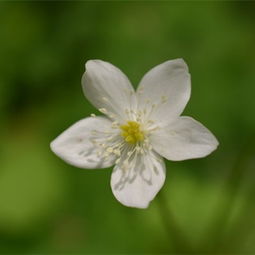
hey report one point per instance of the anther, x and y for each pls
(116, 152)
(109, 149)
(132, 133)
(105, 99)
(103, 110)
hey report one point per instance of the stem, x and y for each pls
(216, 235)
(179, 242)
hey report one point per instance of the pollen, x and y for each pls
(132, 132)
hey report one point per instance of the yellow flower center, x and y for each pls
(132, 132)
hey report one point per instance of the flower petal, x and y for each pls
(138, 184)
(78, 145)
(184, 139)
(108, 89)
(166, 90)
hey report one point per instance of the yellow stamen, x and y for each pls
(132, 132)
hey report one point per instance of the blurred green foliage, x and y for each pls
(47, 206)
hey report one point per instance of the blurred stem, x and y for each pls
(179, 242)
(216, 235)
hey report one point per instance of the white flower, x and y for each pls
(138, 130)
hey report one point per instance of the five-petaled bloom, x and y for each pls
(138, 129)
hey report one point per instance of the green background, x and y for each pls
(48, 207)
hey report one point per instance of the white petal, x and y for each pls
(184, 139)
(76, 146)
(167, 87)
(139, 183)
(107, 88)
